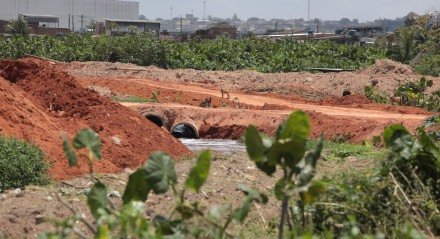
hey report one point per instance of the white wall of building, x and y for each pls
(80, 9)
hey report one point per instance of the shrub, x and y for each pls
(21, 164)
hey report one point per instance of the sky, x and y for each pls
(364, 10)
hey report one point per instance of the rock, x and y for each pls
(3, 197)
(18, 193)
(114, 194)
(40, 219)
(116, 140)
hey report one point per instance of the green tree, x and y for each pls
(18, 26)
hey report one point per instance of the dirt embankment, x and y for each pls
(38, 102)
(312, 86)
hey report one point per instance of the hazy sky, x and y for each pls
(323, 9)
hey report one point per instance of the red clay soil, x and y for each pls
(39, 101)
(118, 86)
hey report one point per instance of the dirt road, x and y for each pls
(262, 100)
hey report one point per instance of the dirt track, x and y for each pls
(262, 100)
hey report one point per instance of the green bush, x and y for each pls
(21, 164)
(220, 54)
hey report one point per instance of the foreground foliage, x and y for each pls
(21, 164)
(400, 199)
(220, 54)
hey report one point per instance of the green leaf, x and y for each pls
(291, 151)
(72, 158)
(297, 127)
(217, 213)
(429, 144)
(251, 195)
(241, 213)
(89, 139)
(199, 173)
(313, 192)
(393, 132)
(279, 189)
(103, 232)
(255, 195)
(254, 145)
(137, 188)
(400, 141)
(160, 172)
(97, 198)
(308, 169)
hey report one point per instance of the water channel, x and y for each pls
(218, 145)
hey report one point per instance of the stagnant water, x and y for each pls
(218, 145)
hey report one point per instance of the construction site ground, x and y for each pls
(40, 100)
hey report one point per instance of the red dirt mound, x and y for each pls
(347, 100)
(40, 101)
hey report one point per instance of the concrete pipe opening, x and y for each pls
(185, 130)
(157, 120)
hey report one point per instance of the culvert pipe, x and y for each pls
(185, 129)
(156, 118)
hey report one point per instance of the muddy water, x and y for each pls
(218, 145)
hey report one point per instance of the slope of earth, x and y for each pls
(314, 86)
(39, 102)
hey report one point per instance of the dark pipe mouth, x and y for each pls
(157, 120)
(185, 131)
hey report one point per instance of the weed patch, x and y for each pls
(21, 164)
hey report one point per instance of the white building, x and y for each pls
(72, 14)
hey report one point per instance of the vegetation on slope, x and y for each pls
(21, 164)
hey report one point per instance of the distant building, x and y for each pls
(120, 26)
(217, 30)
(72, 14)
(40, 25)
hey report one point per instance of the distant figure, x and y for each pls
(113, 57)
(236, 102)
(225, 92)
(374, 83)
(346, 92)
(206, 103)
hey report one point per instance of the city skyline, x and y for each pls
(288, 9)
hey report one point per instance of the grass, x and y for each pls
(21, 164)
(335, 151)
(132, 99)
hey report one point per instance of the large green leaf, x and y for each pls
(290, 150)
(97, 198)
(89, 139)
(72, 158)
(297, 127)
(137, 187)
(160, 172)
(199, 173)
(254, 145)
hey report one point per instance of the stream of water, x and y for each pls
(218, 145)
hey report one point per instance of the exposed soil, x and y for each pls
(353, 116)
(29, 212)
(38, 102)
(313, 86)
